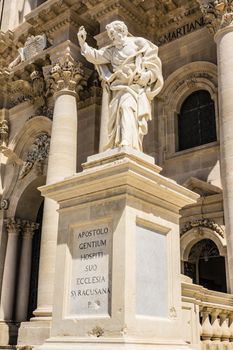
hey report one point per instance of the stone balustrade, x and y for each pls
(208, 317)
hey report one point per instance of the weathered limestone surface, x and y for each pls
(189, 64)
(111, 216)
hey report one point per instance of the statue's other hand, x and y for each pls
(143, 78)
(82, 35)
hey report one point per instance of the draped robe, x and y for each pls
(126, 104)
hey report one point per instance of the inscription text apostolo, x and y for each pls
(91, 271)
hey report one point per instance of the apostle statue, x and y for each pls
(131, 75)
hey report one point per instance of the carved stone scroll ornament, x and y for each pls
(4, 205)
(32, 90)
(208, 223)
(37, 154)
(33, 46)
(217, 13)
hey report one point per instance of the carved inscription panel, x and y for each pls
(90, 285)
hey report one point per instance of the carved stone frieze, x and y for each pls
(31, 88)
(33, 46)
(217, 13)
(37, 154)
(4, 132)
(205, 223)
(192, 79)
(15, 226)
(66, 74)
(18, 91)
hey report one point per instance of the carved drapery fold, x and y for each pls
(217, 13)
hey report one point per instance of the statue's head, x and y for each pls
(117, 30)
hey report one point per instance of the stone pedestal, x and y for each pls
(117, 279)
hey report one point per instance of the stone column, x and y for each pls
(9, 275)
(219, 16)
(64, 77)
(25, 270)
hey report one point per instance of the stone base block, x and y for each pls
(75, 345)
(33, 333)
(117, 272)
(8, 333)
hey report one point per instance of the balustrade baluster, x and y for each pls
(217, 330)
(231, 327)
(224, 323)
(207, 331)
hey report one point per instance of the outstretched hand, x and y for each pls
(82, 35)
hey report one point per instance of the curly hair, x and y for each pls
(119, 26)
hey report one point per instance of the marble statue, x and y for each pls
(131, 75)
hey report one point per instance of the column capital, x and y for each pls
(218, 14)
(65, 75)
(13, 226)
(29, 228)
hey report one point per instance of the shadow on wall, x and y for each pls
(30, 200)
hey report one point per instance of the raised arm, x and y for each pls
(92, 55)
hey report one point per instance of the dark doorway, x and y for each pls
(32, 305)
(206, 267)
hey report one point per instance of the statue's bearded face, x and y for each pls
(117, 31)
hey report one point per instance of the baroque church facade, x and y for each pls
(190, 137)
